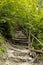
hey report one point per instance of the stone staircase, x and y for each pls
(20, 38)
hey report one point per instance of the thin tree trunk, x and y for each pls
(37, 39)
(32, 42)
(29, 41)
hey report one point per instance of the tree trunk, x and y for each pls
(29, 40)
(32, 42)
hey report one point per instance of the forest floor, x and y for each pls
(17, 55)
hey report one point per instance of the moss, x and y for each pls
(1, 52)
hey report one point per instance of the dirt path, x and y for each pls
(17, 56)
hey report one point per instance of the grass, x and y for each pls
(2, 44)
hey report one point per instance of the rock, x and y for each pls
(32, 54)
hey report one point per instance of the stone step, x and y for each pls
(21, 43)
(20, 37)
(23, 40)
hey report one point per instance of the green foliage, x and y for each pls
(2, 45)
(6, 21)
(28, 13)
(38, 46)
